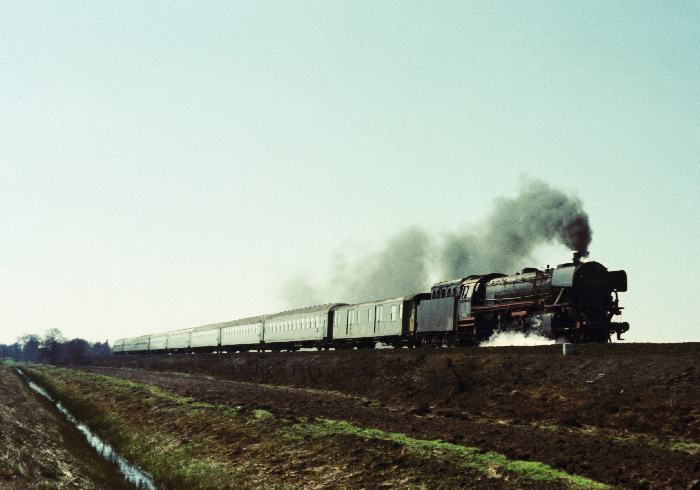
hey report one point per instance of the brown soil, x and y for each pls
(39, 449)
(190, 445)
(621, 414)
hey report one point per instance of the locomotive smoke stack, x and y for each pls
(579, 256)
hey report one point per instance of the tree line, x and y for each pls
(53, 348)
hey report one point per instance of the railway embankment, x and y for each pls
(197, 432)
(641, 388)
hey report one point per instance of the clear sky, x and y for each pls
(170, 164)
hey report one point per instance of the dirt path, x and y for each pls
(608, 455)
(39, 449)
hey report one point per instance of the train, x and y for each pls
(574, 302)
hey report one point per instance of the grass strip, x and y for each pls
(672, 444)
(471, 457)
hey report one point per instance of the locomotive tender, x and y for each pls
(575, 301)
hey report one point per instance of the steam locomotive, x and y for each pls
(575, 302)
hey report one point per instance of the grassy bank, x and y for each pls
(185, 443)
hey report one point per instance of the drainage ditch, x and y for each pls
(131, 472)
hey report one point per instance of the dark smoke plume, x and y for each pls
(400, 268)
(539, 214)
(502, 243)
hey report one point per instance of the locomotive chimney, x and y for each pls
(577, 257)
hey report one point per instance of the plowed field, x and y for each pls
(627, 415)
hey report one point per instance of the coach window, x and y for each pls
(380, 313)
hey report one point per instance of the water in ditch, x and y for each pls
(131, 472)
